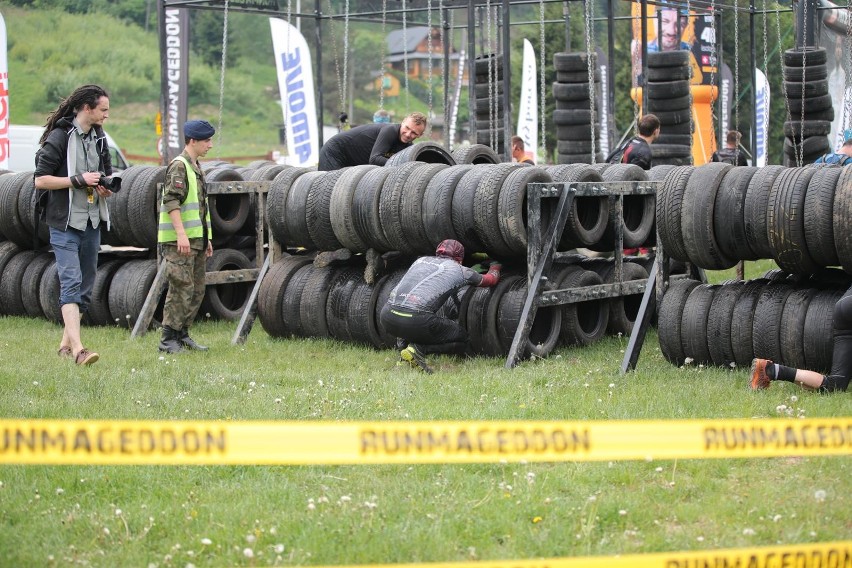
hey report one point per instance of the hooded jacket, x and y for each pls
(52, 160)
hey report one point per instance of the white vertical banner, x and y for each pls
(4, 99)
(761, 108)
(174, 78)
(296, 86)
(528, 113)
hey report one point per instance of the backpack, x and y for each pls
(618, 154)
(727, 156)
(832, 158)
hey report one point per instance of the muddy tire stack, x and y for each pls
(577, 108)
(488, 97)
(670, 99)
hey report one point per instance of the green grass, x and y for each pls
(207, 516)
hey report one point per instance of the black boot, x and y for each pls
(170, 342)
(189, 343)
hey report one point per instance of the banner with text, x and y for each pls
(174, 69)
(528, 113)
(296, 86)
(4, 99)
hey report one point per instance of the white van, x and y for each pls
(23, 145)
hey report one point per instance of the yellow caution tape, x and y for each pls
(818, 555)
(292, 442)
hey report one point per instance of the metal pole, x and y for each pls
(752, 42)
(567, 15)
(471, 72)
(507, 83)
(720, 61)
(806, 9)
(318, 73)
(610, 77)
(164, 80)
(447, 45)
(644, 37)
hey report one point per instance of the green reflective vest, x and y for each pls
(188, 212)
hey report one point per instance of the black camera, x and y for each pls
(111, 183)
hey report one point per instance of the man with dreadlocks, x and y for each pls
(417, 308)
(73, 156)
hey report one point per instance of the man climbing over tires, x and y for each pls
(842, 157)
(370, 143)
(417, 307)
(184, 237)
(764, 371)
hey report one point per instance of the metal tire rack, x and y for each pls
(542, 243)
(257, 191)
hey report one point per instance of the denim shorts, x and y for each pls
(76, 254)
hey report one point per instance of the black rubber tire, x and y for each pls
(267, 171)
(486, 212)
(682, 129)
(785, 221)
(668, 74)
(719, 324)
(482, 317)
(119, 213)
(411, 209)
(674, 117)
(361, 315)
(669, 205)
(573, 91)
(314, 300)
(792, 332)
(638, 211)
(143, 206)
(226, 301)
(318, 212)
(390, 217)
(669, 319)
(809, 105)
(428, 152)
(99, 313)
(624, 309)
(481, 90)
(766, 329)
(340, 208)
(276, 202)
(576, 146)
(794, 89)
(672, 104)
(27, 214)
(30, 284)
(797, 128)
(564, 117)
(578, 76)
(228, 212)
(463, 207)
(339, 297)
(694, 321)
(819, 213)
(658, 59)
(697, 217)
(818, 330)
(291, 305)
(581, 132)
(811, 73)
(475, 154)
(500, 218)
(583, 323)
(489, 61)
(11, 277)
(128, 290)
(438, 203)
(805, 56)
(675, 140)
(572, 159)
(661, 90)
(742, 321)
(544, 332)
(270, 296)
(365, 209)
(842, 217)
(754, 211)
(574, 61)
(13, 227)
(728, 222)
(588, 218)
(583, 104)
(296, 211)
(48, 294)
(670, 151)
(380, 297)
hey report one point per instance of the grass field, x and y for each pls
(311, 515)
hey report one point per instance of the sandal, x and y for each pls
(86, 357)
(65, 352)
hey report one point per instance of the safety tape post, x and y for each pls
(340, 443)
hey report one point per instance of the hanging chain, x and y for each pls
(736, 65)
(717, 51)
(405, 56)
(691, 75)
(336, 53)
(590, 68)
(542, 91)
(429, 66)
(491, 106)
(384, 53)
(222, 73)
(800, 147)
(846, 122)
(783, 68)
(343, 96)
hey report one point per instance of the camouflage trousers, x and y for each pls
(185, 274)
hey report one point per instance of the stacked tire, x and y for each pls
(781, 317)
(488, 94)
(810, 105)
(670, 99)
(577, 103)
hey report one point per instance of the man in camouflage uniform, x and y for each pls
(184, 237)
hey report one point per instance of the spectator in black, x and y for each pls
(637, 150)
(763, 371)
(731, 153)
(370, 143)
(423, 308)
(518, 152)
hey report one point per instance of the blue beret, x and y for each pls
(198, 129)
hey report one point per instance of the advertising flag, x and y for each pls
(296, 87)
(4, 99)
(174, 78)
(761, 108)
(528, 113)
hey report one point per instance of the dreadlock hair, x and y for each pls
(85, 95)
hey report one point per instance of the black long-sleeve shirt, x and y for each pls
(366, 144)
